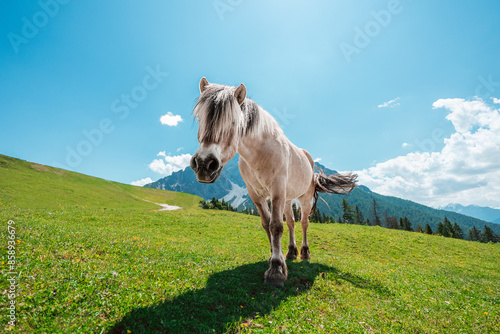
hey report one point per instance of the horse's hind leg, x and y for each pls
(290, 221)
(305, 204)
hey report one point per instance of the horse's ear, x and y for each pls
(240, 93)
(203, 84)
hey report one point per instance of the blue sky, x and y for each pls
(83, 85)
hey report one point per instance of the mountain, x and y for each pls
(231, 187)
(480, 212)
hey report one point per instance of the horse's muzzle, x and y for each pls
(207, 169)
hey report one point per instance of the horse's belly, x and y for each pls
(300, 176)
(296, 189)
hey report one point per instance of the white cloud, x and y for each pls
(464, 114)
(170, 164)
(141, 182)
(170, 119)
(405, 145)
(390, 104)
(180, 149)
(317, 160)
(495, 100)
(465, 171)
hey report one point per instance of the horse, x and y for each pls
(270, 165)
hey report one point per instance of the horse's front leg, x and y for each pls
(277, 273)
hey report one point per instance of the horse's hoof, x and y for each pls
(276, 274)
(274, 284)
(292, 253)
(304, 254)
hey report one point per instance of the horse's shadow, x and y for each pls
(230, 296)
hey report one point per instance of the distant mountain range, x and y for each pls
(480, 212)
(231, 187)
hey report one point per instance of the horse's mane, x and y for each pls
(221, 117)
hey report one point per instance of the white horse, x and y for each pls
(271, 166)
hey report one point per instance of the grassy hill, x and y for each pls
(94, 257)
(29, 185)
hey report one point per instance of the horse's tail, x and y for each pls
(341, 184)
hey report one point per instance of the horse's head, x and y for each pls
(220, 123)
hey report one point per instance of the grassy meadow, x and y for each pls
(95, 257)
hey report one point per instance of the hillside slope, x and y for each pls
(95, 258)
(29, 185)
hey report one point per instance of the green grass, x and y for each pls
(96, 258)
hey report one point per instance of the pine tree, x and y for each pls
(427, 229)
(204, 204)
(376, 218)
(447, 228)
(408, 224)
(340, 220)
(457, 231)
(474, 234)
(391, 222)
(488, 235)
(419, 229)
(405, 224)
(213, 203)
(358, 216)
(347, 215)
(440, 228)
(316, 216)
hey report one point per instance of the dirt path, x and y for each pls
(165, 207)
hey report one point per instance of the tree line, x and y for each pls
(445, 228)
(353, 215)
(215, 204)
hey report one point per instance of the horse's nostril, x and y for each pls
(212, 165)
(194, 163)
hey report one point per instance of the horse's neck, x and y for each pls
(251, 147)
(269, 141)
